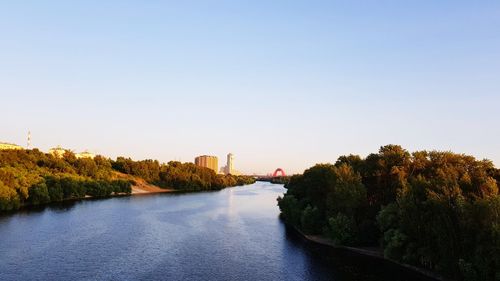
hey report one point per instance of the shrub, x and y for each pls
(311, 220)
(341, 229)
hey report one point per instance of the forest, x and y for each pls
(31, 177)
(436, 210)
(177, 175)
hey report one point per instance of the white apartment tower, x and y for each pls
(230, 165)
(229, 168)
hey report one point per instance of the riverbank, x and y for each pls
(141, 187)
(374, 254)
(139, 190)
(160, 237)
(34, 178)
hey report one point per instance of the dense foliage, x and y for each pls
(30, 177)
(182, 176)
(280, 180)
(437, 210)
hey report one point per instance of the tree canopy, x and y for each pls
(437, 210)
(31, 177)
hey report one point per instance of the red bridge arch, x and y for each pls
(279, 170)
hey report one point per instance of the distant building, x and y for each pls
(229, 164)
(6, 146)
(58, 151)
(85, 154)
(207, 161)
(229, 168)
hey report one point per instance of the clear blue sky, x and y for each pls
(278, 83)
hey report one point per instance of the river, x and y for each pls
(233, 234)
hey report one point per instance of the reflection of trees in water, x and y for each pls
(56, 207)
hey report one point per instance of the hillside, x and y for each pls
(140, 186)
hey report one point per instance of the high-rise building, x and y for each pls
(229, 168)
(207, 161)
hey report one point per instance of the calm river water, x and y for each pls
(233, 234)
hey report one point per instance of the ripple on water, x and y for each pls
(233, 234)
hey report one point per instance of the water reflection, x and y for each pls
(233, 234)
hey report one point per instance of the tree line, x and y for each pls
(181, 176)
(280, 180)
(31, 177)
(437, 210)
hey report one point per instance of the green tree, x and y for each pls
(311, 220)
(39, 194)
(437, 210)
(342, 229)
(9, 199)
